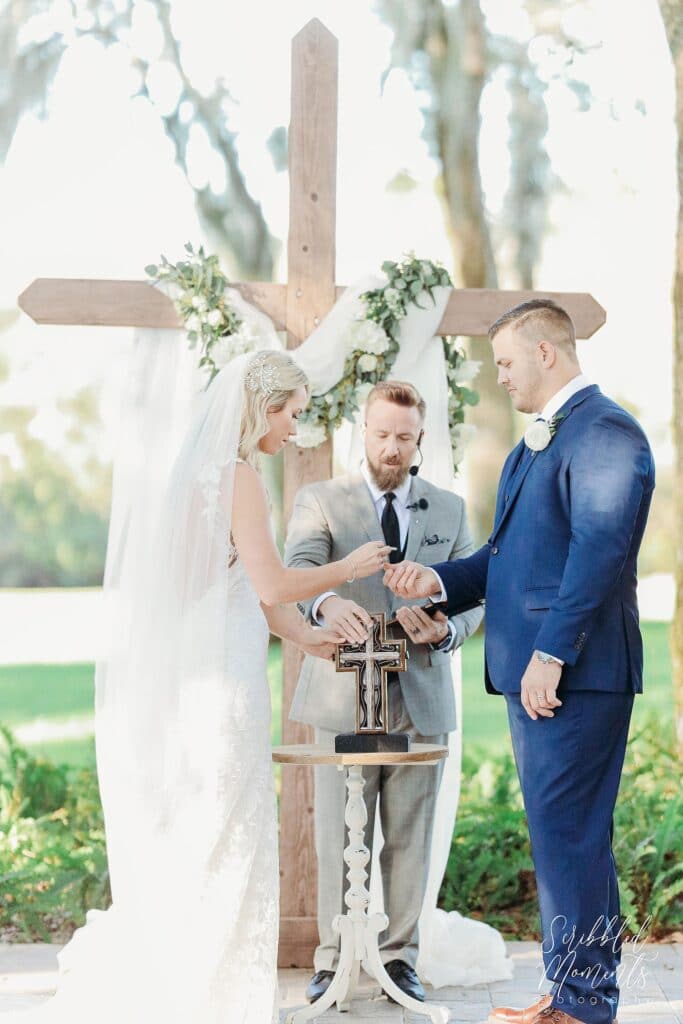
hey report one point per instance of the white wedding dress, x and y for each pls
(183, 720)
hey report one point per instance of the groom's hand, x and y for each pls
(420, 627)
(411, 580)
(539, 688)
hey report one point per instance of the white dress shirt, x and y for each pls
(555, 403)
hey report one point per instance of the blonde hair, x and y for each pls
(400, 393)
(288, 377)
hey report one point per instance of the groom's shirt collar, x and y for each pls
(554, 404)
(401, 492)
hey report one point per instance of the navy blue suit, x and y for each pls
(559, 575)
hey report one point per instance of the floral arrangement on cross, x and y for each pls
(199, 290)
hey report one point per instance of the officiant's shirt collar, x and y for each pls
(577, 383)
(400, 492)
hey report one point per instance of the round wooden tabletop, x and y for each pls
(310, 753)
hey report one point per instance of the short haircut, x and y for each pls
(400, 392)
(540, 320)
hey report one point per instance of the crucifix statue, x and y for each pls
(371, 662)
(296, 307)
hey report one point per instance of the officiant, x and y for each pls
(385, 498)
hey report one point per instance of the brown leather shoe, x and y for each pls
(537, 1013)
(508, 1015)
(551, 1015)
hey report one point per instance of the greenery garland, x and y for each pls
(373, 346)
(198, 288)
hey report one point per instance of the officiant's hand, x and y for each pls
(420, 627)
(409, 579)
(321, 643)
(346, 618)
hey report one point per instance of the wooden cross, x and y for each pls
(296, 307)
(371, 661)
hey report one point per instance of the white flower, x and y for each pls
(467, 371)
(463, 432)
(537, 436)
(310, 435)
(198, 302)
(392, 298)
(367, 363)
(214, 317)
(222, 351)
(362, 392)
(193, 323)
(367, 336)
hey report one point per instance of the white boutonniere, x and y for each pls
(540, 433)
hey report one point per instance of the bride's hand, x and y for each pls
(367, 559)
(321, 643)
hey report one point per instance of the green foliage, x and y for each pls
(373, 344)
(199, 293)
(52, 852)
(490, 872)
(648, 842)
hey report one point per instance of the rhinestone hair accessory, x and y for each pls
(262, 376)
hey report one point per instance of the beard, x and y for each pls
(388, 477)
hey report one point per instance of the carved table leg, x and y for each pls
(358, 933)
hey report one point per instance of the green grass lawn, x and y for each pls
(64, 693)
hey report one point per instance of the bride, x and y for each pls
(183, 723)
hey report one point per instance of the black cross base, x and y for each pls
(372, 743)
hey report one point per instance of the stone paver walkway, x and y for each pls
(652, 987)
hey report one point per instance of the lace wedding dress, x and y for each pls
(183, 752)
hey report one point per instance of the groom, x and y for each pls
(425, 523)
(562, 640)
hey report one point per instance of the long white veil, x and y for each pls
(164, 767)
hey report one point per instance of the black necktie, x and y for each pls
(390, 527)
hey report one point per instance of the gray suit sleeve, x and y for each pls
(309, 542)
(467, 622)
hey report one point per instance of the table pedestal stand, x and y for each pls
(359, 933)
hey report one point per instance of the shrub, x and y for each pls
(490, 872)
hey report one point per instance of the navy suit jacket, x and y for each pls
(559, 570)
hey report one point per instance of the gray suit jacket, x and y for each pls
(332, 518)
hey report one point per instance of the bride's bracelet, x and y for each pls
(354, 570)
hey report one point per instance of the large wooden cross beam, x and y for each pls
(295, 307)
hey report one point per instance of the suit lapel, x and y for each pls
(363, 507)
(509, 496)
(418, 520)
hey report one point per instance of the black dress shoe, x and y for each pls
(318, 985)
(403, 975)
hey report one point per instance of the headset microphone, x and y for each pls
(414, 470)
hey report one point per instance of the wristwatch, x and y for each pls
(548, 659)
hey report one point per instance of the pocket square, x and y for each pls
(435, 539)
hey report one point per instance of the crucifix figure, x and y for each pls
(296, 307)
(371, 661)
